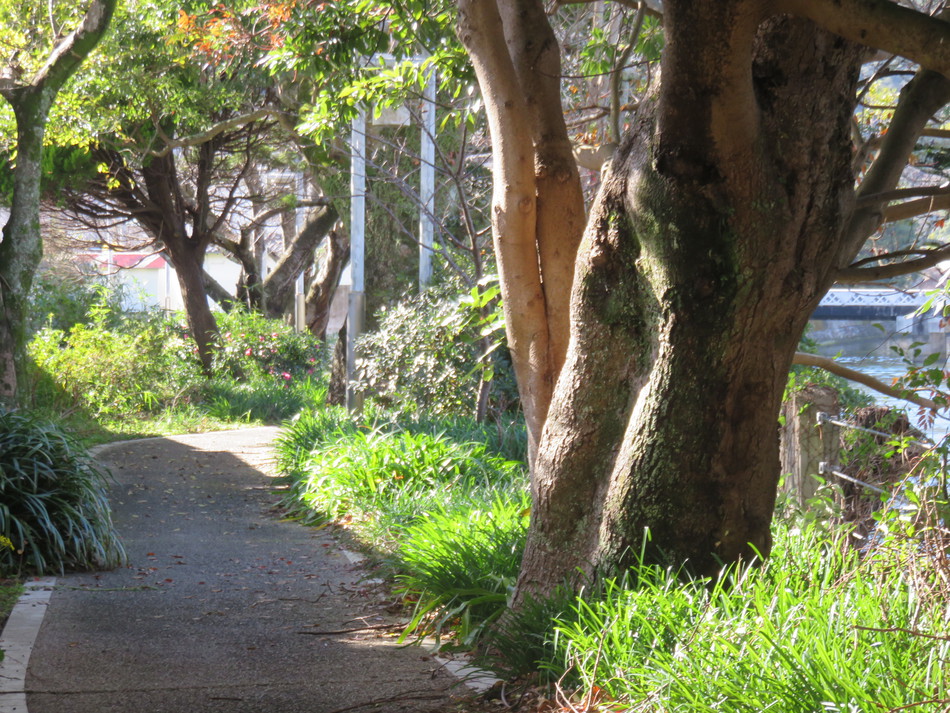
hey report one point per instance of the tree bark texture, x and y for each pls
(21, 248)
(717, 230)
(538, 210)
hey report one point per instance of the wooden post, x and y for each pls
(805, 441)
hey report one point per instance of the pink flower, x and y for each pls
(248, 352)
(285, 375)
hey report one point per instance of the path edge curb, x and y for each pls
(17, 640)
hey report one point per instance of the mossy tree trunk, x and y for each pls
(21, 248)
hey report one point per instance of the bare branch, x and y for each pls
(205, 136)
(859, 275)
(911, 209)
(895, 255)
(830, 365)
(899, 194)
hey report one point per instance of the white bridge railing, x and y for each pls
(874, 297)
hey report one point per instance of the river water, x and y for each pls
(870, 349)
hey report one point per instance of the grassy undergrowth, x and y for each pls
(817, 627)
(813, 629)
(439, 500)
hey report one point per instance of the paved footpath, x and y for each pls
(223, 607)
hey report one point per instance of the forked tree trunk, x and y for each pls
(706, 252)
(537, 203)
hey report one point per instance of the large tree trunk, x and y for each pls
(712, 240)
(537, 203)
(21, 248)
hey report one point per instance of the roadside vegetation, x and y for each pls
(830, 621)
(439, 500)
(821, 625)
(106, 373)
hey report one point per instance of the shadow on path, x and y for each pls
(222, 605)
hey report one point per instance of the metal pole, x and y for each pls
(427, 183)
(168, 284)
(357, 301)
(300, 307)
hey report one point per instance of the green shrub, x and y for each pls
(426, 356)
(53, 505)
(253, 345)
(114, 371)
(59, 301)
(121, 368)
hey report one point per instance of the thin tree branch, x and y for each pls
(830, 365)
(859, 275)
(205, 136)
(895, 255)
(881, 24)
(911, 209)
(899, 194)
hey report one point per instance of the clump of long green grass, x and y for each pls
(812, 629)
(388, 479)
(506, 438)
(308, 430)
(53, 506)
(448, 512)
(460, 565)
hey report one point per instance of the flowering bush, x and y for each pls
(254, 345)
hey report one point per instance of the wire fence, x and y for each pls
(825, 468)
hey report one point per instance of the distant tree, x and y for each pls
(179, 142)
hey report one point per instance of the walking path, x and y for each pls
(223, 607)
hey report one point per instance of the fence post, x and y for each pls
(804, 442)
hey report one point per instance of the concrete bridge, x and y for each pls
(877, 303)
